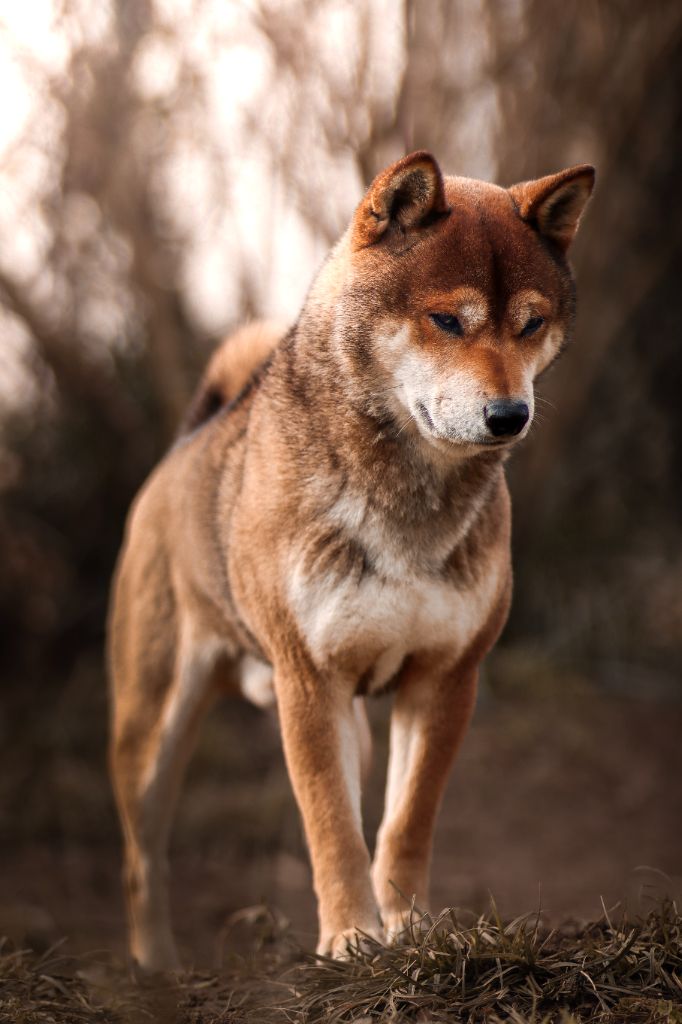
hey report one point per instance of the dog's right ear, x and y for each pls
(406, 196)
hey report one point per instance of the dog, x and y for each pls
(334, 523)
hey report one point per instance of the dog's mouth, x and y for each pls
(424, 413)
(498, 442)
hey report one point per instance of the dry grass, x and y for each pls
(626, 972)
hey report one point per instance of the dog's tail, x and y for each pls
(230, 369)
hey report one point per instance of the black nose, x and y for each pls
(506, 417)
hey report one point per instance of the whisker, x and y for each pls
(403, 425)
(545, 401)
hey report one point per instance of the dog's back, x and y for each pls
(170, 551)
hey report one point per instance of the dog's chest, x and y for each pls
(369, 624)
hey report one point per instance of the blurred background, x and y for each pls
(169, 168)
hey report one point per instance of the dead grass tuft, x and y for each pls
(452, 968)
(626, 973)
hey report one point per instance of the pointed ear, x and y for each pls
(554, 204)
(408, 195)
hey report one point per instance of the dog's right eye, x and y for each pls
(533, 325)
(447, 322)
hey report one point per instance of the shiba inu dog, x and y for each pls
(334, 522)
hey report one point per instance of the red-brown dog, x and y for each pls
(340, 525)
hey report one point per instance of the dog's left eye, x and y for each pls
(447, 322)
(533, 325)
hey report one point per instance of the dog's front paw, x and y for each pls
(348, 943)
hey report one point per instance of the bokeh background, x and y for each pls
(169, 168)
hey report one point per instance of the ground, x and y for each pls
(561, 798)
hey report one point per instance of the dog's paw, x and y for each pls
(348, 943)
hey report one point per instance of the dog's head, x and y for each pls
(450, 296)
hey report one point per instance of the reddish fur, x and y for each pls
(304, 493)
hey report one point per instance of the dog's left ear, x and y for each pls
(406, 196)
(555, 204)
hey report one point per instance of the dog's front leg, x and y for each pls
(430, 717)
(322, 749)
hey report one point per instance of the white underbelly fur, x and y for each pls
(397, 616)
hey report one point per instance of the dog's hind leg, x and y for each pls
(153, 735)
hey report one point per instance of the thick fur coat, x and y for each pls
(334, 522)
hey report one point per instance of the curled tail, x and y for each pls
(230, 368)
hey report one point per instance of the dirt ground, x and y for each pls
(556, 801)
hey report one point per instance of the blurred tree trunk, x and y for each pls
(104, 159)
(558, 102)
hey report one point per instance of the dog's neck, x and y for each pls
(415, 490)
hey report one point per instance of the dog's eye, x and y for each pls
(533, 325)
(447, 322)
